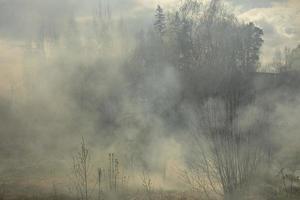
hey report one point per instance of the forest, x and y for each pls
(172, 100)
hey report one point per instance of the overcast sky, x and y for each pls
(280, 19)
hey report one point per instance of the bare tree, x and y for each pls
(100, 171)
(81, 165)
(221, 58)
(227, 154)
(147, 184)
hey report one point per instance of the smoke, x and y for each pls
(72, 75)
(73, 84)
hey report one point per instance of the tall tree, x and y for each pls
(160, 20)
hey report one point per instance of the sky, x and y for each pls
(280, 19)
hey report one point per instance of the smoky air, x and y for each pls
(140, 99)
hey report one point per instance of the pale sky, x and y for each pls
(280, 19)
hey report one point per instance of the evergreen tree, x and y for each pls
(160, 20)
(175, 23)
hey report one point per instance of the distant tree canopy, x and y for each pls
(209, 48)
(286, 60)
